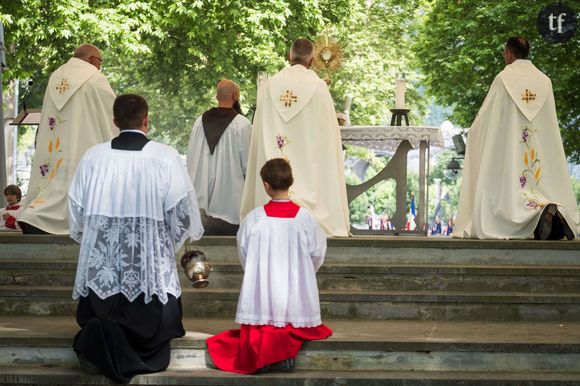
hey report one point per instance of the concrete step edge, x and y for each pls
(340, 345)
(360, 241)
(59, 292)
(371, 269)
(37, 375)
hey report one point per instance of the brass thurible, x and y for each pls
(196, 267)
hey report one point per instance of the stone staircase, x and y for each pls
(405, 311)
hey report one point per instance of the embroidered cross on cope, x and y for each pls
(63, 86)
(288, 98)
(528, 96)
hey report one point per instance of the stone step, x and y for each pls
(353, 250)
(372, 277)
(376, 305)
(65, 376)
(354, 346)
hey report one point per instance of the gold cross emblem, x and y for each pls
(63, 86)
(528, 96)
(288, 98)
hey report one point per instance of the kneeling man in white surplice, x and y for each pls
(132, 206)
(295, 119)
(516, 182)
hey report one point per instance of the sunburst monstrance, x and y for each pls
(327, 56)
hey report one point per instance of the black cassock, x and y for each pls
(122, 338)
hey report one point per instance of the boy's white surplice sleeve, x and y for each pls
(316, 244)
(243, 237)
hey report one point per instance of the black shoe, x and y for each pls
(568, 232)
(264, 369)
(285, 365)
(544, 228)
(87, 366)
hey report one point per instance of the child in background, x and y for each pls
(281, 247)
(9, 215)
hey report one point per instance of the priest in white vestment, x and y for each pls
(515, 181)
(295, 119)
(77, 113)
(132, 206)
(217, 156)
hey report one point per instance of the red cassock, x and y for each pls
(252, 347)
(249, 349)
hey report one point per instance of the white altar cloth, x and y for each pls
(389, 137)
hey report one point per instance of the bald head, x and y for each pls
(302, 52)
(228, 92)
(89, 53)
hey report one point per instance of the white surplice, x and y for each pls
(295, 119)
(131, 211)
(514, 162)
(280, 257)
(77, 113)
(218, 178)
(13, 211)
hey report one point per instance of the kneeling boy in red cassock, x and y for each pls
(281, 247)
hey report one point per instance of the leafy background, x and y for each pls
(175, 51)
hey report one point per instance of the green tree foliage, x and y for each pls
(40, 35)
(172, 51)
(175, 51)
(444, 206)
(460, 51)
(202, 42)
(377, 36)
(381, 196)
(576, 188)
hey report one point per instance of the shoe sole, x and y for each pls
(567, 230)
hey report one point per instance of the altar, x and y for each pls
(398, 140)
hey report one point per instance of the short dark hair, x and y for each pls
(129, 110)
(302, 51)
(13, 190)
(278, 173)
(518, 46)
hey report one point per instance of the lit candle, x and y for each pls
(400, 93)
